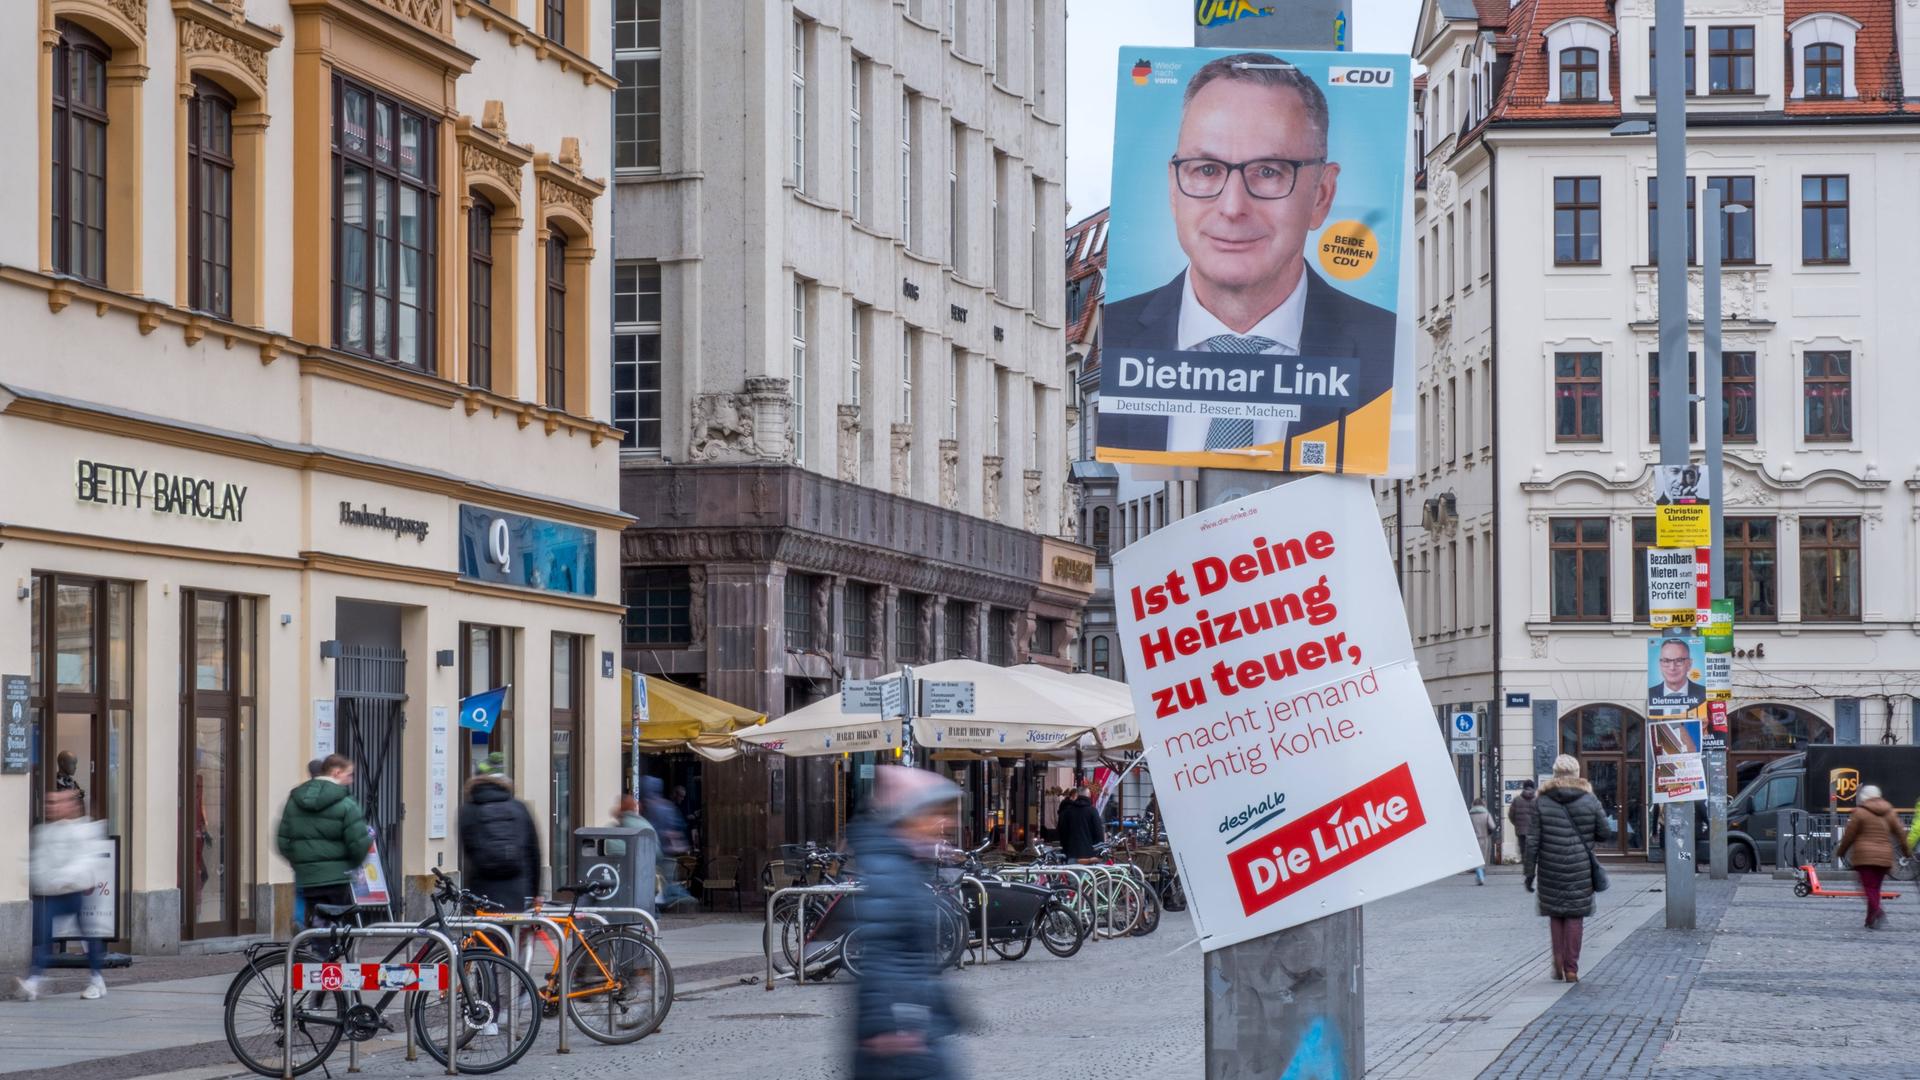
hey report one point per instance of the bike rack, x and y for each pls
(351, 932)
(800, 914)
(522, 918)
(1092, 874)
(450, 922)
(969, 879)
(599, 914)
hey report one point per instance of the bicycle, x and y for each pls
(618, 969)
(500, 1012)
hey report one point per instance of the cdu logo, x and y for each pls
(1360, 76)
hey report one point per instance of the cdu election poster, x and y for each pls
(1260, 297)
(1293, 749)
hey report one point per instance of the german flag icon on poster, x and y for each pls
(1141, 69)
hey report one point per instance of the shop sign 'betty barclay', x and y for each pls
(162, 492)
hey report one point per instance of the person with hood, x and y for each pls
(665, 818)
(1525, 815)
(323, 833)
(499, 844)
(1872, 836)
(1483, 832)
(1571, 822)
(65, 852)
(1080, 827)
(903, 1012)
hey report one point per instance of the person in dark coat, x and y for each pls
(903, 1012)
(499, 845)
(1571, 822)
(1525, 815)
(1080, 827)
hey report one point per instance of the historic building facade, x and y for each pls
(1536, 252)
(305, 405)
(837, 348)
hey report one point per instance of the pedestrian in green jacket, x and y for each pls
(324, 834)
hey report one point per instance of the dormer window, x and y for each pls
(1579, 75)
(1823, 57)
(1577, 52)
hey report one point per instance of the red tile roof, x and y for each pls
(1524, 97)
(1876, 59)
(1493, 13)
(1087, 264)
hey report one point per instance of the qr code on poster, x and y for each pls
(1313, 453)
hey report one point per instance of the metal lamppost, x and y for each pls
(1712, 229)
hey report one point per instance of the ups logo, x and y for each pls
(1846, 783)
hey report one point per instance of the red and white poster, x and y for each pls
(1293, 747)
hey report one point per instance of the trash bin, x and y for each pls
(629, 853)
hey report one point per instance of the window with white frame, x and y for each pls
(636, 355)
(909, 101)
(1578, 50)
(956, 246)
(798, 110)
(906, 373)
(956, 367)
(856, 132)
(636, 104)
(798, 385)
(1823, 57)
(997, 208)
(1035, 248)
(856, 328)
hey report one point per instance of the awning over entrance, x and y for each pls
(683, 719)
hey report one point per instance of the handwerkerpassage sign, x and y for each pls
(1295, 753)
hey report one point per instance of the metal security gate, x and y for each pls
(371, 684)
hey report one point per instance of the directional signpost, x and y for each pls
(946, 698)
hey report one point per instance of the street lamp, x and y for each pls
(1712, 227)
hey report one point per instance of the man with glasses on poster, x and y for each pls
(1249, 179)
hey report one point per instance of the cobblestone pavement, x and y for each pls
(1453, 971)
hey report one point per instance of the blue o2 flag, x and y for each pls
(480, 710)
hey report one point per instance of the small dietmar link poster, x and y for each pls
(1293, 748)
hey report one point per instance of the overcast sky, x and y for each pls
(1096, 29)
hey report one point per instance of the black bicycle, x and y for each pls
(500, 1007)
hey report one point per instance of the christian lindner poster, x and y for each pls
(1259, 299)
(1294, 752)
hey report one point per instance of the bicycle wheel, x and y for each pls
(1014, 948)
(951, 940)
(622, 985)
(1059, 930)
(256, 1024)
(1119, 909)
(1149, 912)
(499, 1014)
(853, 950)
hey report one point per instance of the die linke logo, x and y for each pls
(1272, 867)
(1360, 76)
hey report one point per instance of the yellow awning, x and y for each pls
(682, 719)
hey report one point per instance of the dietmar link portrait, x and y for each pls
(1248, 356)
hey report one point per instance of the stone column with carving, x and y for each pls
(900, 453)
(972, 620)
(992, 468)
(1023, 637)
(877, 624)
(1031, 480)
(770, 401)
(849, 443)
(950, 473)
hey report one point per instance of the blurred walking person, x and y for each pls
(666, 820)
(1870, 843)
(903, 1012)
(499, 843)
(1525, 815)
(1571, 822)
(323, 833)
(1483, 832)
(66, 853)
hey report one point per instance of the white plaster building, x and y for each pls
(1535, 224)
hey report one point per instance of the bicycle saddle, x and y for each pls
(333, 911)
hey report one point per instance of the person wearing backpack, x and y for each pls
(499, 845)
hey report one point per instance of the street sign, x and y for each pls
(1465, 725)
(1466, 747)
(885, 697)
(946, 698)
(1519, 701)
(17, 755)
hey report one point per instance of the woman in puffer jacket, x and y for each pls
(1571, 822)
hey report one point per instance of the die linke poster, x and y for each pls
(1293, 748)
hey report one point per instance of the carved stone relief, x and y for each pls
(697, 604)
(474, 158)
(199, 39)
(772, 406)
(1032, 516)
(950, 473)
(552, 193)
(722, 428)
(424, 12)
(900, 454)
(823, 612)
(991, 468)
(849, 443)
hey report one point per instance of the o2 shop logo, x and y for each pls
(1269, 868)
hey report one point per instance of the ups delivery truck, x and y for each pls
(1819, 778)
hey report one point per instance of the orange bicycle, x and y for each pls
(620, 985)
